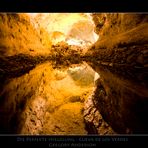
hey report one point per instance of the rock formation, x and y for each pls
(120, 58)
(47, 86)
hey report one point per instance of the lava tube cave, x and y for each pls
(73, 73)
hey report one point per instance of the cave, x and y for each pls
(73, 73)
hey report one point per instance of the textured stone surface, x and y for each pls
(120, 57)
(39, 103)
(16, 28)
(95, 124)
(37, 99)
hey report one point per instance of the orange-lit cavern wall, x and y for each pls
(58, 77)
(121, 60)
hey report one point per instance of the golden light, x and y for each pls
(73, 28)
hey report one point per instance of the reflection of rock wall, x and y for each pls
(17, 96)
(120, 57)
(95, 124)
(42, 101)
(34, 113)
(83, 75)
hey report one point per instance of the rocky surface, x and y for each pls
(120, 57)
(95, 124)
(39, 95)
(40, 102)
(16, 28)
(64, 26)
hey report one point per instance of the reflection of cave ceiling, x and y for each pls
(76, 27)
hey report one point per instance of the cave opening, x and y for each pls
(73, 73)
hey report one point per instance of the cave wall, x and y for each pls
(16, 28)
(108, 25)
(121, 96)
(33, 96)
(61, 22)
(120, 57)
